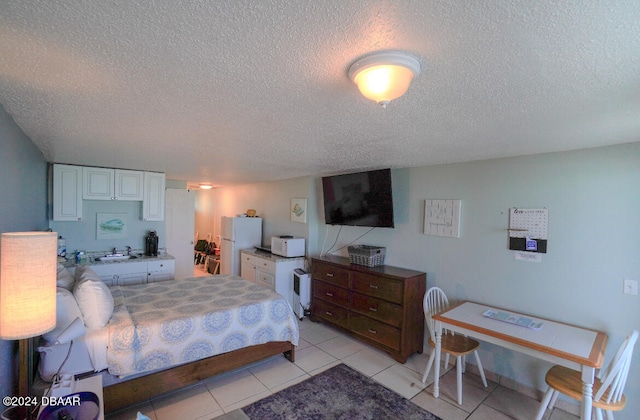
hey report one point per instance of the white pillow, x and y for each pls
(66, 311)
(84, 272)
(64, 278)
(94, 299)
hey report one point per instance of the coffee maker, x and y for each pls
(151, 244)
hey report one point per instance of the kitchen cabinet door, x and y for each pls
(98, 183)
(247, 267)
(67, 193)
(122, 274)
(160, 270)
(129, 185)
(153, 203)
(112, 184)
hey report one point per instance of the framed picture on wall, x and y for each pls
(111, 226)
(298, 210)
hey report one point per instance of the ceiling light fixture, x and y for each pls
(384, 76)
(206, 186)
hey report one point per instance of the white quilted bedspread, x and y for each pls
(159, 325)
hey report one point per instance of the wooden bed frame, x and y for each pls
(126, 393)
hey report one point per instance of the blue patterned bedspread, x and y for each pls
(159, 325)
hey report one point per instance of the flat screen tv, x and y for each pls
(359, 199)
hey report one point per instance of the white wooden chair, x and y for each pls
(608, 387)
(435, 301)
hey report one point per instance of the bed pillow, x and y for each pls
(94, 299)
(64, 278)
(67, 311)
(84, 272)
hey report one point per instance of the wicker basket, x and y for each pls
(368, 255)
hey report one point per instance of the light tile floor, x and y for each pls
(322, 347)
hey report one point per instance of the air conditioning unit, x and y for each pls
(301, 292)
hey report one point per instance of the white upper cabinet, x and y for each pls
(67, 193)
(129, 185)
(153, 203)
(112, 184)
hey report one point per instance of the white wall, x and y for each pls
(23, 171)
(205, 214)
(594, 225)
(271, 200)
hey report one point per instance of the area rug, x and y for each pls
(337, 393)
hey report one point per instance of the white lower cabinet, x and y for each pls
(124, 274)
(160, 270)
(270, 271)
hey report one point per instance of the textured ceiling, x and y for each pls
(244, 91)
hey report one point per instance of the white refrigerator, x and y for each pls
(237, 233)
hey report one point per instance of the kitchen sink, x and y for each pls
(115, 257)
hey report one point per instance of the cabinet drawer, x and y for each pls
(378, 309)
(266, 265)
(331, 274)
(332, 313)
(387, 289)
(266, 279)
(161, 265)
(377, 331)
(331, 293)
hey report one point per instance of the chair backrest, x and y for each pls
(614, 377)
(435, 300)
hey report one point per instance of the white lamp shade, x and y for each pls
(27, 284)
(384, 83)
(383, 77)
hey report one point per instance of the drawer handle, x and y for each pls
(329, 313)
(372, 309)
(373, 331)
(329, 274)
(373, 286)
(329, 294)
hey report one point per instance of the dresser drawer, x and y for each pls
(376, 331)
(331, 293)
(387, 289)
(386, 312)
(332, 313)
(331, 274)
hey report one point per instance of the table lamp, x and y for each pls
(27, 295)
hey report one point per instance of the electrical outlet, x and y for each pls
(630, 287)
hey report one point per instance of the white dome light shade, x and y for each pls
(383, 77)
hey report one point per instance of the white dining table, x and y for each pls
(575, 347)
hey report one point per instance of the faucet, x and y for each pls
(115, 251)
(128, 250)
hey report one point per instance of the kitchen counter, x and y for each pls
(139, 258)
(269, 256)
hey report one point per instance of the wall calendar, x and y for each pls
(528, 229)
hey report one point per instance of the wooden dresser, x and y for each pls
(380, 305)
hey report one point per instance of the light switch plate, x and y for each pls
(630, 287)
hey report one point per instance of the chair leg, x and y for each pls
(609, 414)
(446, 361)
(544, 403)
(598, 413)
(553, 400)
(459, 378)
(429, 365)
(484, 379)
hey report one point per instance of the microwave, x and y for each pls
(287, 246)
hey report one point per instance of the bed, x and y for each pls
(163, 336)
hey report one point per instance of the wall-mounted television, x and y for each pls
(359, 199)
